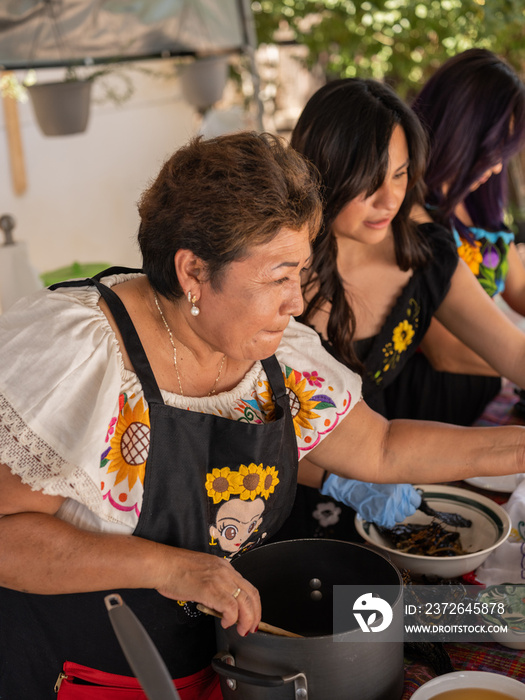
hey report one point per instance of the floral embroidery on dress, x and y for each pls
(487, 257)
(249, 410)
(313, 379)
(302, 401)
(471, 254)
(124, 462)
(402, 337)
(495, 267)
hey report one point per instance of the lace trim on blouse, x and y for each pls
(39, 466)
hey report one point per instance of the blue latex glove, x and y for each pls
(383, 504)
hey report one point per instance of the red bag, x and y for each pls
(78, 682)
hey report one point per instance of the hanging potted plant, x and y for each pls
(203, 81)
(60, 107)
(63, 107)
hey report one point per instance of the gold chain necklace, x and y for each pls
(210, 393)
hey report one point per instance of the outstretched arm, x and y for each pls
(367, 447)
(514, 292)
(39, 553)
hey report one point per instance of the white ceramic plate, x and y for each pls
(490, 528)
(503, 484)
(470, 679)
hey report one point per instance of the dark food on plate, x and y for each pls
(431, 540)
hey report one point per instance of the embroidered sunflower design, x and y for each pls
(269, 481)
(250, 481)
(471, 254)
(402, 336)
(302, 402)
(130, 444)
(221, 484)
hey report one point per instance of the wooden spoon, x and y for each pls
(263, 626)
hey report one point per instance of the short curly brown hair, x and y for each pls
(218, 198)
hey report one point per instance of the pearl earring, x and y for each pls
(194, 311)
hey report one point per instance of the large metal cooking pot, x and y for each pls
(295, 579)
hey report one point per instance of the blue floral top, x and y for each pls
(487, 256)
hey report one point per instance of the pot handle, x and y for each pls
(223, 663)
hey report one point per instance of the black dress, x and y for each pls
(399, 381)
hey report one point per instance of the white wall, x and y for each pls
(80, 202)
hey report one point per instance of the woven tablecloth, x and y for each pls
(482, 656)
(500, 410)
(469, 657)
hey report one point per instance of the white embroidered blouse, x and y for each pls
(74, 422)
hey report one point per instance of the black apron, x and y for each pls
(201, 470)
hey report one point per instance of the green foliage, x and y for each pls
(401, 41)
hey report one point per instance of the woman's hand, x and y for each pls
(40, 553)
(212, 581)
(382, 504)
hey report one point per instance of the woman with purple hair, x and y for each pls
(473, 109)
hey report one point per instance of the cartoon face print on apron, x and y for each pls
(211, 484)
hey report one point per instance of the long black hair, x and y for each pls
(345, 131)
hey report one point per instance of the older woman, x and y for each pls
(152, 419)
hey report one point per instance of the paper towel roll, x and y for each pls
(17, 276)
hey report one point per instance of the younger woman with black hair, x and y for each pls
(380, 270)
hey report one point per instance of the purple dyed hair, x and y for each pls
(468, 107)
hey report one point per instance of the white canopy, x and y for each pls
(39, 33)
